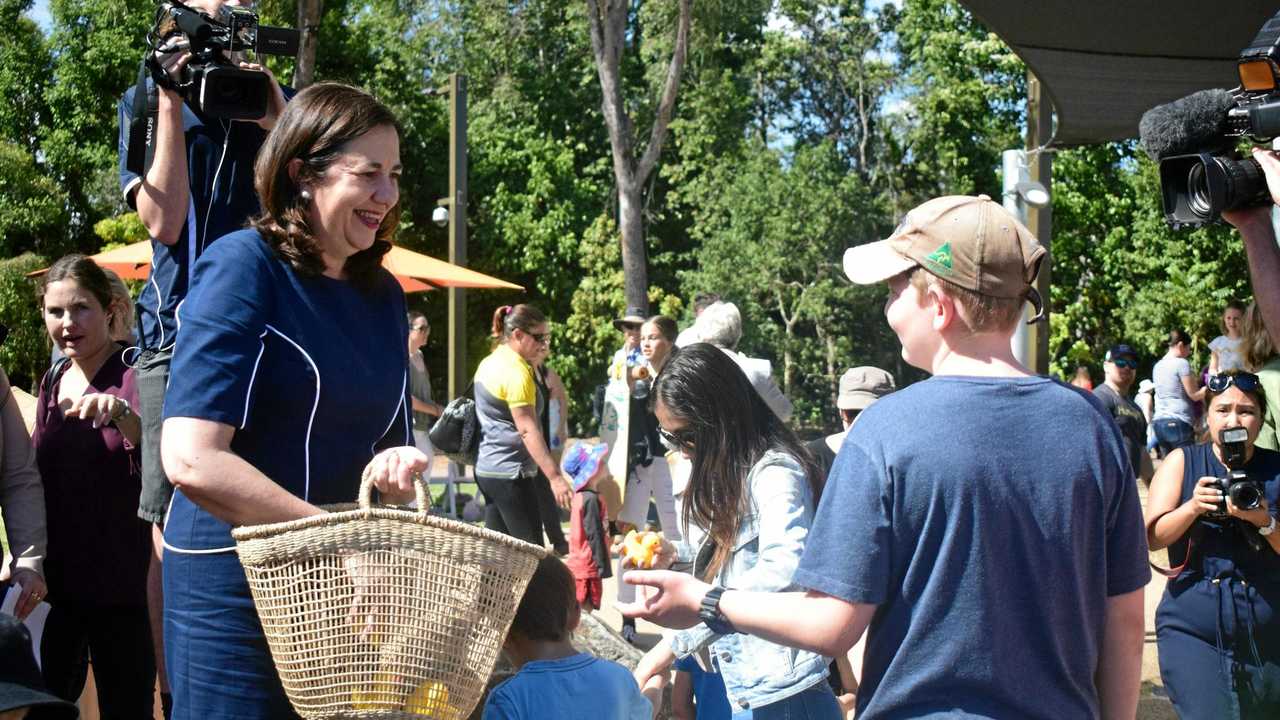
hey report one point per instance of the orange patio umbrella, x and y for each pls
(415, 271)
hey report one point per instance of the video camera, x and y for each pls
(1245, 494)
(1194, 138)
(210, 82)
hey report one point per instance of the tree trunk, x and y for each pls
(829, 343)
(309, 12)
(635, 265)
(608, 23)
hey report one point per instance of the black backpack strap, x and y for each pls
(53, 373)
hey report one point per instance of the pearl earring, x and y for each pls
(305, 195)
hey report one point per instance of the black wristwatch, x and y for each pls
(709, 612)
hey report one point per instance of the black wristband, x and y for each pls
(709, 612)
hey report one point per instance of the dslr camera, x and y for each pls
(1194, 138)
(211, 82)
(1245, 494)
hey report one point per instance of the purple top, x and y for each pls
(98, 547)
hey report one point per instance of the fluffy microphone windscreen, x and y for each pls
(1194, 123)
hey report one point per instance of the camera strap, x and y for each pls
(144, 113)
(1172, 573)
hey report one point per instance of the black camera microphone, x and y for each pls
(1187, 125)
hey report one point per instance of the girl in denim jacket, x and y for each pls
(747, 511)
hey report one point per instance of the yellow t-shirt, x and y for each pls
(504, 381)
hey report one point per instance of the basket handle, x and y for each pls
(365, 499)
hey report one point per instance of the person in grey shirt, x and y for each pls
(1176, 388)
(22, 505)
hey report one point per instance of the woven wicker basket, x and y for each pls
(375, 612)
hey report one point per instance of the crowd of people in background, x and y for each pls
(972, 543)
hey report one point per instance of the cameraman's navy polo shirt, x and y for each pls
(310, 371)
(220, 157)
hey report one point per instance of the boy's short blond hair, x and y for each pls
(980, 313)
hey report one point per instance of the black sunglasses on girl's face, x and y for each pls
(1247, 382)
(677, 440)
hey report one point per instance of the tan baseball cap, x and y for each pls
(970, 241)
(861, 386)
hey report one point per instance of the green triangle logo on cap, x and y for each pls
(940, 260)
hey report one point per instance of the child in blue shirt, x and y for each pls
(554, 679)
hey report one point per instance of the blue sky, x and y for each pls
(40, 13)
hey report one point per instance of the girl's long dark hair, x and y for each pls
(731, 428)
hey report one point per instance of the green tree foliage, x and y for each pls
(97, 46)
(32, 205)
(25, 354)
(25, 65)
(776, 254)
(963, 100)
(802, 127)
(124, 229)
(1119, 272)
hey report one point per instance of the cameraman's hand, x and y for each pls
(1270, 163)
(1206, 496)
(172, 56)
(275, 103)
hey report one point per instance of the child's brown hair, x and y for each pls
(549, 603)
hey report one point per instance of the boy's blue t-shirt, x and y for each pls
(708, 690)
(989, 519)
(578, 687)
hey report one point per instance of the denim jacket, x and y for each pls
(765, 555)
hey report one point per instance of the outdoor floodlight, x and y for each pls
(440, 216)
(1032, 193)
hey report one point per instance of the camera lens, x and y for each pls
(1246, 495)
(1198, 196)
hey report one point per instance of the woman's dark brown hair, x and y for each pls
(666, 326)
(509, 318)
(315, 127)
(730, 429)
(85, 272)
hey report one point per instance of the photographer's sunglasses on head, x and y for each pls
(1247, 382)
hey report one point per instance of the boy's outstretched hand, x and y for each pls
(673, 605)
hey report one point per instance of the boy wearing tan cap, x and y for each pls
(981, 522)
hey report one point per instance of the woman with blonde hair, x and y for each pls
(1260, 358)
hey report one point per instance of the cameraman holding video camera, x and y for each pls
(188, 171)
(1211, 506)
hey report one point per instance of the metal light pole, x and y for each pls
(456, 204)
(1026, 192)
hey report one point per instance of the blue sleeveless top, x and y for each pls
(1220, 548)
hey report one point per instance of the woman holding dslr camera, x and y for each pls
(1216, 629)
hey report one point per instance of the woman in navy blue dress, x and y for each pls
(289, 384)
(1216, 628)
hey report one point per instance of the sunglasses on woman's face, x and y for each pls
(1247, 382)
(681, 440)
